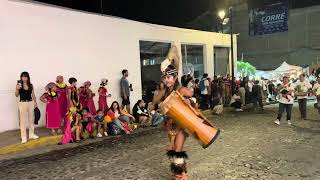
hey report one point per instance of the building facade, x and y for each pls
(48, 41)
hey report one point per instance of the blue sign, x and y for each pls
(268, 20)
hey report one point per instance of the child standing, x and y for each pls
(89, 98)
(103, 94)
(53, 115)
(100, 123)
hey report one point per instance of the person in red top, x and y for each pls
(120, 118)
(89, 98)
(103, 94)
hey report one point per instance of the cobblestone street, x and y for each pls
(250, 146)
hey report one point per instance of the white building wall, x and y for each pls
(48, 41)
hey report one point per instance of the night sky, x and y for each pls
(165, 12)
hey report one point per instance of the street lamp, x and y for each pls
(232, 54)
(222, 15)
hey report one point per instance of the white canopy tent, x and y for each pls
(284, 69)
(288, 68)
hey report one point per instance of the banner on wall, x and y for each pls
(268, 20)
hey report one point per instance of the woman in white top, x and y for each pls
(236, 101)
(286, 100)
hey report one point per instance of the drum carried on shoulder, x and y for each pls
(190, 119)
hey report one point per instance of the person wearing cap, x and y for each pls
(176, 134)
(286, 90)
(53, 115)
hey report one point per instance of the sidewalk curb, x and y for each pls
(49, 140)
(52, 140)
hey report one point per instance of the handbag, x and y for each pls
(37, 115)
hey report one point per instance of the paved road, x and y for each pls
(250, 147)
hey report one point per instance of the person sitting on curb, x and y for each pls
(87, 124)
(236, 101)
(141, 114)
(102, 126)
(119, 117)
(72, 129)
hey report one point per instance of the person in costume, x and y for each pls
(83, 96)
(172, 58)
(176, 134)
(62, 91)
(72, 128)
(53, 115)
(87, 124)
(89, 98)
(103, 94)
(73, 95)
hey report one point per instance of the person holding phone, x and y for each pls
(26, 105)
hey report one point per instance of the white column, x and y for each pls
(208, 59)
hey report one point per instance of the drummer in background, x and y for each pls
(176, 134)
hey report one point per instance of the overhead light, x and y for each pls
(222, 14)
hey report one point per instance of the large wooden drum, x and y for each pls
(189, 119)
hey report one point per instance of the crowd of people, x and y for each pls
(253, 93)
(71, 110)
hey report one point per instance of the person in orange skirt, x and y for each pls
(103, 94)
(53, 115)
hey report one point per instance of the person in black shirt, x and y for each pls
(140, 113)
(26, 105)
(257, 95)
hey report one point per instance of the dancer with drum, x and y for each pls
(174, 101)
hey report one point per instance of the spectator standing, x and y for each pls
(26, 105)
(257, 95)
(204, 86)
(301, 90)
(125, 90)
(286, 100)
